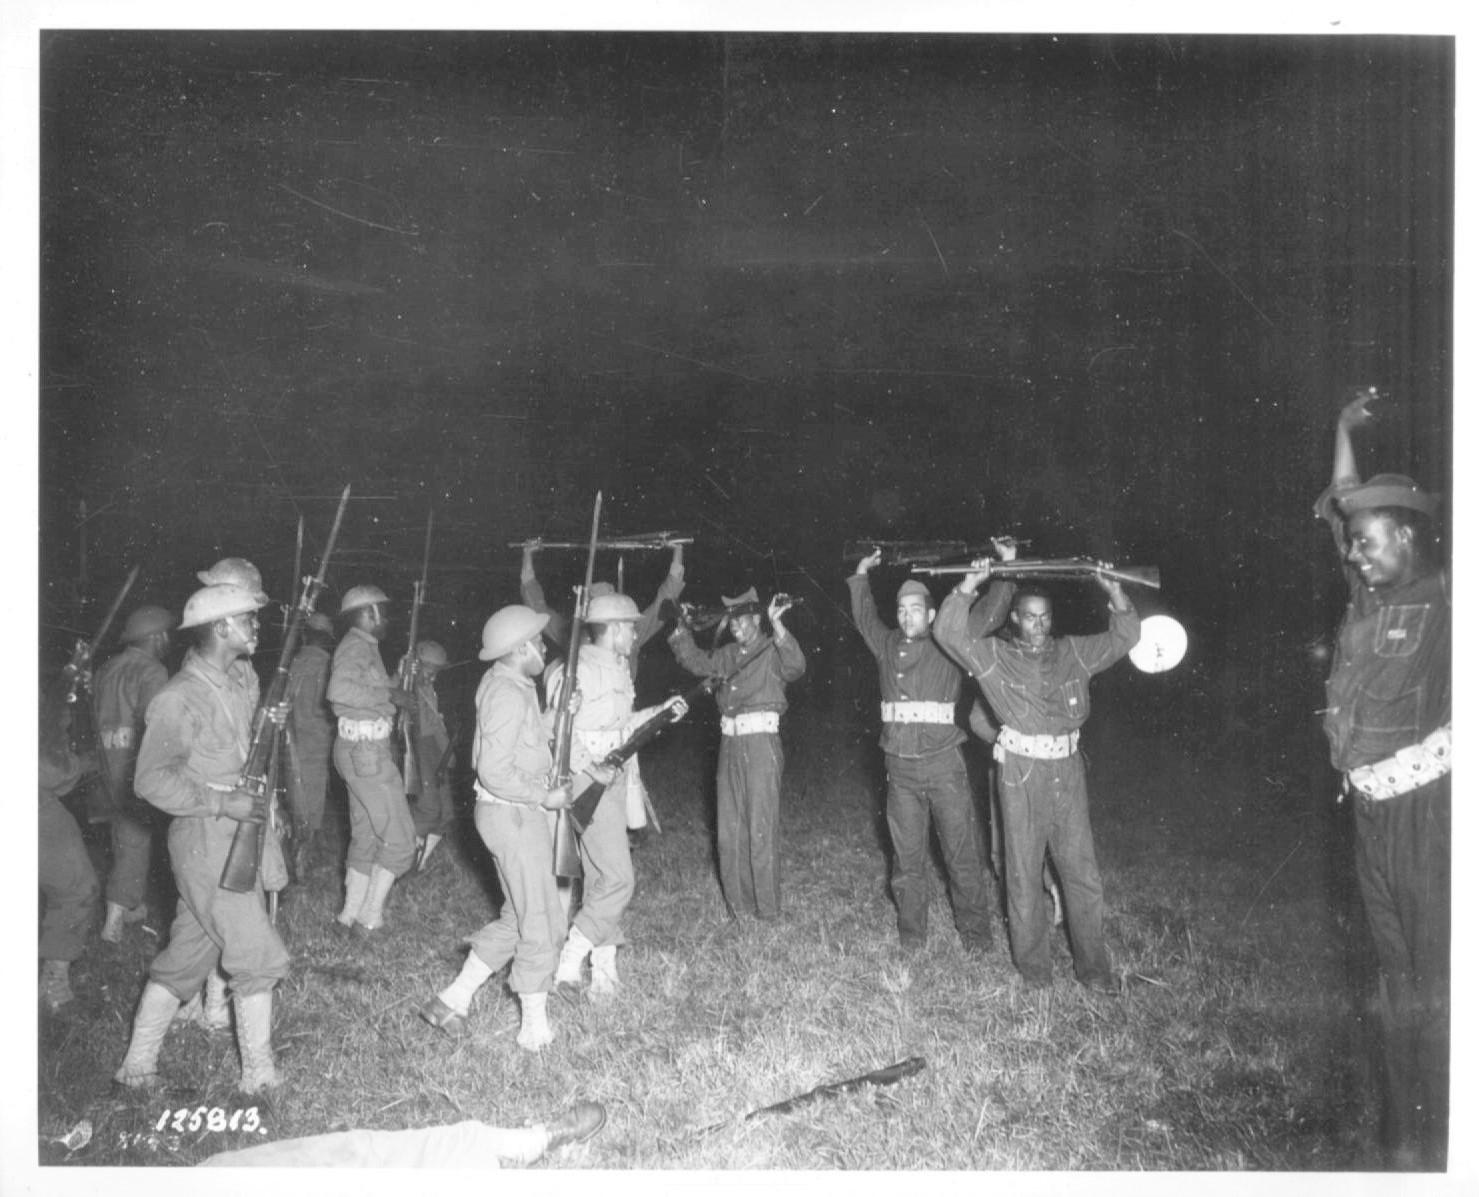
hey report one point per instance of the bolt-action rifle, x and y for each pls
(620, 544)
(1057, 567)
(920, 552)
(265, 752)
(567, 854)
(96, 795)
(408, 719)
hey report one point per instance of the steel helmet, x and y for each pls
(509, 627)
(1161, 646)
(144, 622)
(361, 596)
(612, 608)
(239, 572)
(218, 601)
(429, 652)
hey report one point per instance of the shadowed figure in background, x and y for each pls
(433, 812)
(122, 689)
(927, 780)
(1389, 722)
(751, 760)
(65, 876)
(311, 738)
(1038, 686)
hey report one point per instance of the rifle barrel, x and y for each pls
(1139, 575)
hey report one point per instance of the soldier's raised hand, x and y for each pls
(872, 560)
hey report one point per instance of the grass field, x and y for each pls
(1238, 1042)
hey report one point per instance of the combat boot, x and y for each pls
(356, 886)
(604, 981)
(572, 956)
(254, 1038)
(113, 924)
(534, 1028)
(372, 913)
(56, 984)
(140, 1067)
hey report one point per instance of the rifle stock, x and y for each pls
(244, 859)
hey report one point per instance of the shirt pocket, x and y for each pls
(1399, 629)
(1075, 695)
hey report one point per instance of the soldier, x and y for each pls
(68, 883)
(382, 840)
(514, 815)
(238, 571)
(311, 737)
(122, 690)
(194, 748)
(603, 722)
(1038, 685)
(1390, 725)
(751, 758)
(433, 811)
(927, 776)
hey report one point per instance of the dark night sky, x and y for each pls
(778, 291)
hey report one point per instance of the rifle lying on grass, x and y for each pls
(883, 1076)
(567, 854)
(1057, 567)
(264, 756)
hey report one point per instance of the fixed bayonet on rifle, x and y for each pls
(407, 719)
(78, 671)
(297, 578)
(621, 544)
(1057, 567)
(244, 860)
(567, 854)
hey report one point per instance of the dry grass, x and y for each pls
(1227, 1050)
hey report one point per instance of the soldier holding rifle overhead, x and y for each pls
(382, 836)
(514, 815)
(1038, 686)
(751, 701)
(1390, 726)
(190, 766)
(927, 777)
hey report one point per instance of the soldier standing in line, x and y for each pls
(514, 815)
(751, 759)
(195, 746)
(1390, 725)
(312, 739)
(382, 840)
(67, 880)
(433, 812)
(603, 723)
(1038, 685)
(122, 689)
(927, 776)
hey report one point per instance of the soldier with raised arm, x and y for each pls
(1389, 721)
(758, 668)
(927, 780)
(1038, 687)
